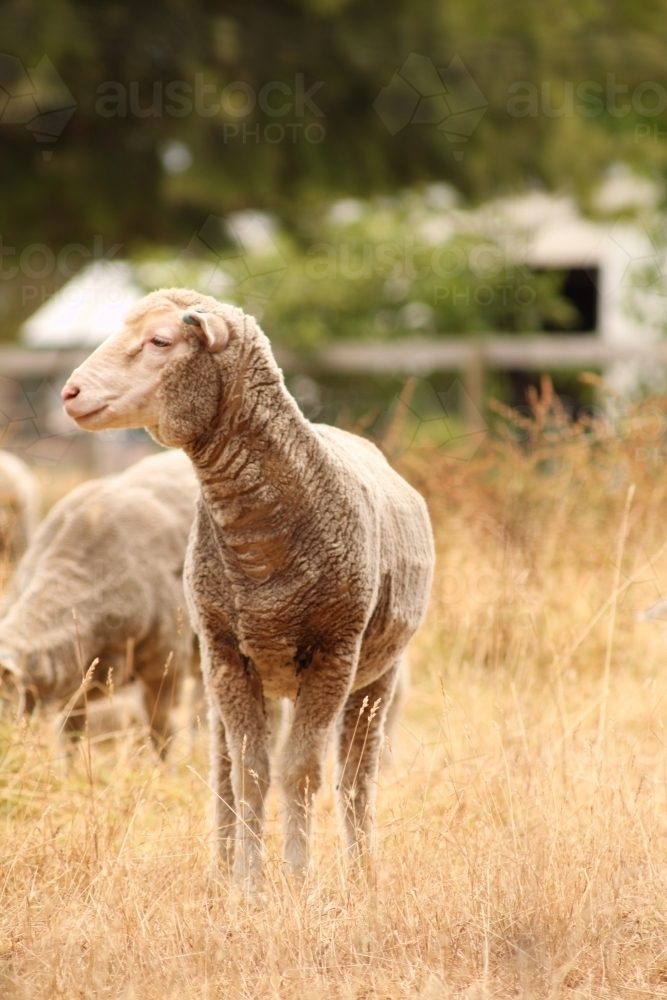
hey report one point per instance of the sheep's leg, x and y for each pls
(235, 691)
(224, 810)
(325, 685)
(360, 740)
(398, 699)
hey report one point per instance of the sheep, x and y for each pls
(102, 580)
(20, 507)
(308, 568)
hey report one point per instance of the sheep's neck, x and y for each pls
(250, 466)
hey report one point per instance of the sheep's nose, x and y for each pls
(69, 392)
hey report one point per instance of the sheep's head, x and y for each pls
(159, 370)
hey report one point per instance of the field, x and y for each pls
(522, 803)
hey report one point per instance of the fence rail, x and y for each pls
(534, 352)
(470, 356)
(417, 356)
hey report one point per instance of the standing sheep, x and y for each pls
(103, 579)
(308, 569)
(19, 511)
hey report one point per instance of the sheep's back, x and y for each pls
(113, 549)
(405, 526)
(170, 476)
(405, 539)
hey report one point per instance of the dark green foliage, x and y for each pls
(106, 176)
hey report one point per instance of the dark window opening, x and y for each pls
(580, 288)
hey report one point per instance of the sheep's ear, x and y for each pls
(209, 327)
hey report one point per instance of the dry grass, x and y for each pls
(522, 811)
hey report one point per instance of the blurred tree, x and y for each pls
(149, 115)
(373, 270)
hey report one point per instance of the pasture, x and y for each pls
(522, 803)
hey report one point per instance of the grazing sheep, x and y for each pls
(19, 510)
(308, 569)
(103, 579)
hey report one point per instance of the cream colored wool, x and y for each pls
(19, 509)
(103, 579)
(308, 568)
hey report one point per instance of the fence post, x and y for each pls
(473, 384)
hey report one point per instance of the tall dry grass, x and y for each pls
(522, 821)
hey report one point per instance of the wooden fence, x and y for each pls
(472, 356)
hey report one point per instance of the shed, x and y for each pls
(86, 310)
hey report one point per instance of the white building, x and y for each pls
(86, 310)
(616, 267)
(82, 314)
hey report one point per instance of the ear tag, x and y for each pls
(188, 318)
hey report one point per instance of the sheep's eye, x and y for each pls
(160, 342)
